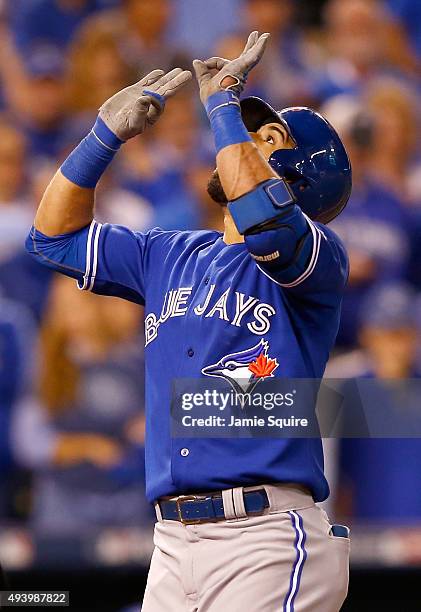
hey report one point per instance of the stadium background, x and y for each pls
(72, 509)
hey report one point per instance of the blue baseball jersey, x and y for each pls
(205, 299)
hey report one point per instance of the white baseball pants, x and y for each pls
(285, 560)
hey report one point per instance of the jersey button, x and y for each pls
(190, 352)
(206, 281)
(184, 452)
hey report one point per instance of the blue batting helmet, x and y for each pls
(317, 169)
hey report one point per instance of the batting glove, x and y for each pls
(130, 111)
(232, 74)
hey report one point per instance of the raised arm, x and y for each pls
(68, 202)
(285, 244)
(107, 259)
(241, 166)
(256, 195)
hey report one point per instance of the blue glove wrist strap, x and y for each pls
(264, 203)
(224, 112)
(86, 164)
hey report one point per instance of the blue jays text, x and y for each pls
(229, 306)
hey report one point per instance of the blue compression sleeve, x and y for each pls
(224, 112)
(86, 164)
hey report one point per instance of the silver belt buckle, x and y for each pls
(181, 499)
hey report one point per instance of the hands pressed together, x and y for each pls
(130, 111)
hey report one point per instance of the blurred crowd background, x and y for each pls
(71, 388)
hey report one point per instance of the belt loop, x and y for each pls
(228, 503)
(158, 512)
(271, 498)
(238, 498)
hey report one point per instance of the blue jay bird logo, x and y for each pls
(244, 369)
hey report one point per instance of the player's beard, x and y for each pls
(215, 189)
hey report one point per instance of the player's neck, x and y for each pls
(231, 235)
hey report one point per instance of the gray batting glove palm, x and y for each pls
(232, 74)
(130, 111)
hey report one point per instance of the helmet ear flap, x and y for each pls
(292, 176)
(284, 162)
(297, 182)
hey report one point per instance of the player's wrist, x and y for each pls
(106, 136)
(220, 99)
(89, 160)
(224, 113)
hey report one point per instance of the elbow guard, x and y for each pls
(252, 211)
(277, 233)
(285, 242)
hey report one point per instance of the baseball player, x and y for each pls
(238, 527)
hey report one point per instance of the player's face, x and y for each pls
(268, 138)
